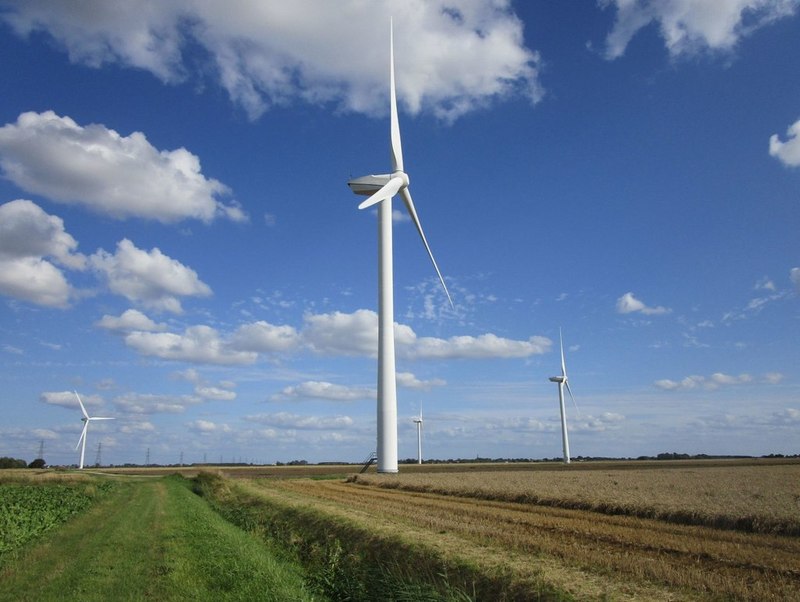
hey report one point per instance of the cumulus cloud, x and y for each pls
(264, 337)
(130, 320)
(450, 58)
(201, 344)
(787, 152)
(145, 403)
(67, 399)
(148, 277)
(32, 242)
(715, 381)
(119, 176)
(357, 334)
(627, 304)
(286, 420)
(324, 390)
(409, 381)
(339, 333)
(693, 26)
(483, 346)
(334, 334)
(206, 426)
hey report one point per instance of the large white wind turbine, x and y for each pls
(418, 422)
(86, 420)
(381, 189)
(563, 382)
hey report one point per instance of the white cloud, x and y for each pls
(137, 426)
(285, 420)
(483, 346)
(31, 242)
(715, 381)
(773, 378)
(143, 403)
(627, 304)
(409, 381)
(787, 152)
(357, 334)
(206, 426)
(108, 173)
(67, 399)
(692, 26)
(34, 280)
(338, 333)
(264, 337)
(794, 276)
(130, 320)
(324, 390)
(150, 278)
(215, 393)
(201, 344)
(451, 58)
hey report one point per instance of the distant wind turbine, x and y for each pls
(418, 422)
(563, 382)
(381, 189)
(86, 420)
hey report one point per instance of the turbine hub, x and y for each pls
(403, 176)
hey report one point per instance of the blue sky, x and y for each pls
(178, 243)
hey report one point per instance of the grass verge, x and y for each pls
(347, 561)
(151, 540)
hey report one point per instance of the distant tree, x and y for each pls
(6, 462)
(37, 463)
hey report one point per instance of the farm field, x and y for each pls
(709, 530)
(150, 539)
(551, 542)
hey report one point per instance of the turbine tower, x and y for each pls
(381, 189)
(86, 420)
(418, 422)
(562, 382)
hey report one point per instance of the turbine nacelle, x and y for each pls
(558, 379)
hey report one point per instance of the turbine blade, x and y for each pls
(406, 195)
(563, 363)
(83, 434)
(566, 382)
(397, 147)
(83, 409)
(101, 418)
(388, 191)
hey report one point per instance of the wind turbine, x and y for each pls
(381, 189)
(418, 422)
(563, 382)
(86, 420)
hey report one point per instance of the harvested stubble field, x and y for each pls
(699, 532)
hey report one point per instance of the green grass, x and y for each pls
(151, 540)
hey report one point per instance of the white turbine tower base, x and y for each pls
(562, 382)
(86, 420)
(380, 189)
